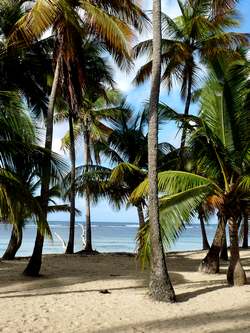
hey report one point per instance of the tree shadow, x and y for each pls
(190, 323)
(184, 297)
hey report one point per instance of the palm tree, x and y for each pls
(128, 133)
(198, 35)
(129, 130)
(24, 213)
(109, 21)
(90, 126)
(97, 75)
(222, 133)
(20, 157)
(160, 285)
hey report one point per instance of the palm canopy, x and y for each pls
(220, 144)
(26, 68)
(111, 21)
(129, 130)
(127, 149)
(92, 120)
(20, 162)
(197, 35)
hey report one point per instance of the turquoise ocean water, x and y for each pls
(107, 237)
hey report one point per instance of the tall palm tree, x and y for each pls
(223, 160)
(160, 285)
(111, 22)
(90, 125)
(193, 38)
(97, 74)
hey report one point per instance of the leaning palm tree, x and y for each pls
(223, 162)
(198, 35)
(110, 22)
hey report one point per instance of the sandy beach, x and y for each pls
(67, 297)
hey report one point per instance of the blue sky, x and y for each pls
(136, 96)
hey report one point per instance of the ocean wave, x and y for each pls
(131, 225)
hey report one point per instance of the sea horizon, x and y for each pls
(107, 237)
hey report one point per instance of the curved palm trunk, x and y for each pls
(35, 262)
(160, 285)
(88, 231)
(70, 245)
(235, 275)
(205, 244)
(245, 231)
(211, 263)
(14, 243)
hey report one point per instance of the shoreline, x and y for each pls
(67, 297)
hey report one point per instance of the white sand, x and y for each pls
(67, 297)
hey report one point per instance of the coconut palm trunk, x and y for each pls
(35, 262)
(235, 275)
(88, 233)
(205, 244)
(186, 112)
(70, 245)
(160, 285)
(14, 243)
(140, 216)
(223, 253)
(245, 231)
(211, 263)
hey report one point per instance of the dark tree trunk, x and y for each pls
(184, 131)
(35, 262)
(88, 232)
(160, 285)
(140, 216)
(14, 243)
(186, 112)
(70, 245)
(211, 263)
(205, 244)
(223, 253)
(141, 224)
(245, 232)
(235, 275)
(34, 265)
